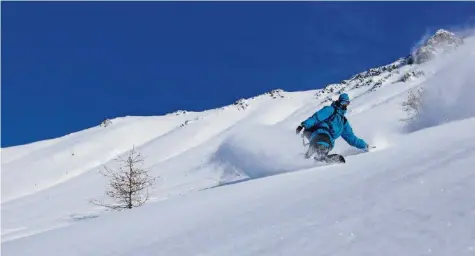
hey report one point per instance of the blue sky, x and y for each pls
(66, 66)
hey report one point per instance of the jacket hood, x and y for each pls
(337, 106)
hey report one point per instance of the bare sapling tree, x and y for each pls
(128, 183)
(412, 105)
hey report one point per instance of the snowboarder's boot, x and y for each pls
(318, 149)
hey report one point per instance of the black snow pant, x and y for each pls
(320, 151)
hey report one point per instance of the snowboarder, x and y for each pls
(325, 126)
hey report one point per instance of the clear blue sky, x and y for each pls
(66, 66)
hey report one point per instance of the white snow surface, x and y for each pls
(233, 180)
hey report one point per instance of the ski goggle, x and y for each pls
(344, 103)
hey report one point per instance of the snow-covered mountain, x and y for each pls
(441, 42)
(232, 180)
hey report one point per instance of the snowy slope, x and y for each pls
(417, 207)
(218, 173)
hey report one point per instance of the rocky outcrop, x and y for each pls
(241, 104)
(106, 123)
(275, 94)
(410, 75)
(178, 112)
(442, 41)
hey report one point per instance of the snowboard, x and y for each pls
(331, 159)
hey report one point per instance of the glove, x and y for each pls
(369, 148)
(299, 128)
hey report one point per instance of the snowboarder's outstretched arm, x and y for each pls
(319, 116)
(351, 138)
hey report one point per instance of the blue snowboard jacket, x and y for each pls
(334, 128)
